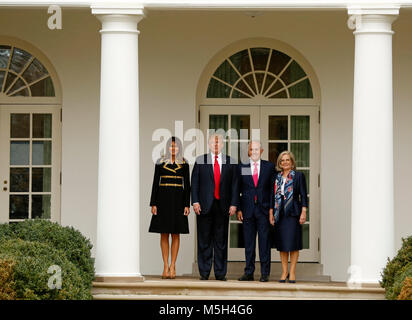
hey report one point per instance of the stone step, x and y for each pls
(305, 271)
(189, 288)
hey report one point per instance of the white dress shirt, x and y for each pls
(252, 166)
(219, 160)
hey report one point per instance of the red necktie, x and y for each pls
(216, 170)
(255, 177)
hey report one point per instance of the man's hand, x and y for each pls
(232, 210)
(271, 217)
(196, 207)
(240, 215)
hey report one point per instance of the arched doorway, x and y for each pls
(264, 89)
(30, 134)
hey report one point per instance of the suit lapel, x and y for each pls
(209, 164)
(262, 168)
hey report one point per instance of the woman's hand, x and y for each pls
(187, 211)
(271, 217)
(302, 218)
(154, 210)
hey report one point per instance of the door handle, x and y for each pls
(5, 189)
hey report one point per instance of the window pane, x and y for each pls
(259, 80)
(42, 125)
(4, 57)
(293, 73)
(307, 177)
(19, 179)
(278, 127)
(19, 59)
(251, 82)
(239, 122)
(20, 125)
(301, 152)
(24, 92)
(19, 207)
(35, 71)
(260, 58)
(9, 80)
(238, 94)
(2, 73)
(299, 127)
(43, 88)
(17, 85)
(275, 88)
(280, 95)
(218, 121)
(41, 153)
(278, 61)
(217, 89)
(305, 236)
(241, 61)
(236, 235)
(19, 153)
(41, 206)
(302, 89)
(268, 82)
(242, 86)
(275, 149)
(41, 179)
(226, 73)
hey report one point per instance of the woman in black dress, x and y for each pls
(170, 202)
(290, 205)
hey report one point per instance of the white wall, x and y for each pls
(174, 49)
(74, 52)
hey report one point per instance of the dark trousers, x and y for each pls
(212, 233)
(257, 224)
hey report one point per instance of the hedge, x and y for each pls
(397, 271)
(29, 248)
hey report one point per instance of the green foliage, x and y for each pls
(76, 247)
(33, 260)
(397, 270)
(7, 282)
(43, 244)
(406, 292)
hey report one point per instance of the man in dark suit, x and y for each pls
(256, 186)
(215, 197)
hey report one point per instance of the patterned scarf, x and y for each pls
(288, 193)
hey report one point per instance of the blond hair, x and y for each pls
(292, 159)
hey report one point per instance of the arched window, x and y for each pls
(21, 74)
(259, 72)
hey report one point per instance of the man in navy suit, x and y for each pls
(215, 197)
(256, 187)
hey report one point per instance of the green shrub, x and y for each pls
(31, 277)
(7, 282)
(406, 292)
(397, 269)
(76, 247)
(395, 290)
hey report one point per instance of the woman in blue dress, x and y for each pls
(290, 205)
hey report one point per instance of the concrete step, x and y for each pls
(305, 271)
(183, 288)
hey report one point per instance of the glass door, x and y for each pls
(297, 129)
(238, 124)
(29, 163)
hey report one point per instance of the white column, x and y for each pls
(372, 237)
(117, 248)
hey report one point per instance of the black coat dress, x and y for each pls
(170, 194)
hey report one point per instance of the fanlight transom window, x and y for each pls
(259, 72)
(21, 74)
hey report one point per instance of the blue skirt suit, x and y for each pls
(288, 230)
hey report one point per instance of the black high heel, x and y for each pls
(283, 281)
(291, 281)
